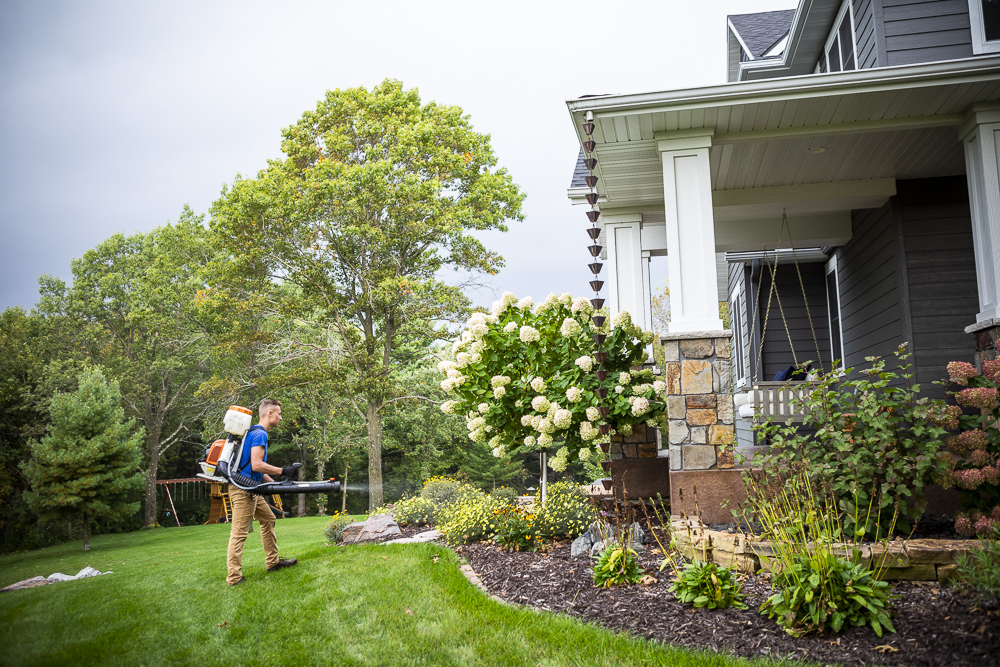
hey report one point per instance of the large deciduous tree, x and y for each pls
(135, 299)
(376, 195)
(89, 463)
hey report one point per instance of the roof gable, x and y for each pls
(760, 31)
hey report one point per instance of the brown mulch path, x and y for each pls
(934, 625)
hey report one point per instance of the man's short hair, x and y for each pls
(267, 404)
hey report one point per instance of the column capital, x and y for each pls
(683, 140)
(979, 114)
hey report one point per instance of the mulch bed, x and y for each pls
(934, 624)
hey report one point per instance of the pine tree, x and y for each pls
(89, 463)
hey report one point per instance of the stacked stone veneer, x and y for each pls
(699, 401)
(641, 444)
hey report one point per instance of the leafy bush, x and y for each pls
(567, 511)
(616, 565)
(443, 491)
(415, 511)
(505, 493)
(708, 585)
(875, 448)
(334, 530)
(978, 572)
(472, 519)
(516, 529)
(824, 591)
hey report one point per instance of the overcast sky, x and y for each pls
(113, 115)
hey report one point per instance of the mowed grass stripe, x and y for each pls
(167, 602)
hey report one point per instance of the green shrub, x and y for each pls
(334, 530)
(708, 585)
(616, 566)
(443, 491)
(978, 572)
(517, 529)
(567, 511)
(505, 493)
(471, 519)
(825, 591)
(415, 511)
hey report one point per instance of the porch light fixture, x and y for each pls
(817, 150)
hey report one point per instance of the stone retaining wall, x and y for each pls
(910, 560)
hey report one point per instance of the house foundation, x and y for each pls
(985, 337)
(700, 429)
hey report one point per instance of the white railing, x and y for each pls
(781, 400)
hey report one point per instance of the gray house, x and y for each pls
(874, 127)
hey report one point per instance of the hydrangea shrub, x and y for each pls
(523, 376)
(976, 471)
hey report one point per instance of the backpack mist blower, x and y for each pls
(222, 461)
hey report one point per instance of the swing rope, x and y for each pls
(773, 292)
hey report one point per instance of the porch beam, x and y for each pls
(856, 127)
(882, 187)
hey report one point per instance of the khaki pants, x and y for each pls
(246, 508)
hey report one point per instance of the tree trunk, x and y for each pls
(86, 533)
(301, 476)
(320, 498)
(153, 446)
(343, 491)
(375, 498)
(69, 529)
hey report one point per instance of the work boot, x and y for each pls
(241, 580)
(283, 564)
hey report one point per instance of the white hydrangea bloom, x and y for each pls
(472, 415)
(477, 347)
(544, 440)
(448, 407)
(509, 327)
(626, 429)
(540, 404)
(457, 345)
(640, 406)
(479, 328)
(476, 424)
(647, 337)
(526, 303)
(499, 381)
(494, 441)
(448, 385)
(454, 373)
(550, 300)
(497, 452)
(466, 336)
(463, 359)
(545, 426)
(529, 441)
(624, 377)
(619, 389)
(574, 395)
(587, 431)
(477, 436)
(562, 419)
(445, 366)
(566, 299)
(642, 389)
(506, 300)
(659, 386)
(622, 320)
(586, 363)
(528, 334)
(483, 408)
(526, 420)
(584, 454)
(593, 414)
(570, 328)
(499, 392)
(581, 305)
(536, 421)
(538, 384)
(560, 460)
(475, 358)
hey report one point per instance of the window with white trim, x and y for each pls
(984, 19)
(840, 51)
(737, 308)
(833, 310)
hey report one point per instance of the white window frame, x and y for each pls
(831, 267)
(846, 8)
(741, 369)
(979, 43)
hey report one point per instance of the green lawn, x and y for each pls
(167, 603)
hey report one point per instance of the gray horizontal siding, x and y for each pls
(777, 353)
(928, 31)
(940, 272)
(869, 288)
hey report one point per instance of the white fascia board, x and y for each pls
(736, 33)
(812, 17)
(966, 70)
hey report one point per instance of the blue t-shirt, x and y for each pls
(255, 437)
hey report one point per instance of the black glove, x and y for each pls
(292, 470)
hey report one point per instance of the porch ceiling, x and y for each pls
(873, 124)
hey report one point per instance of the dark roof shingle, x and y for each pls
(762, 30)
(579, 173)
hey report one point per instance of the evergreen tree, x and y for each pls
(89, 463)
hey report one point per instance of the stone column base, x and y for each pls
(710, 488)
(985, 337)
(637, 479)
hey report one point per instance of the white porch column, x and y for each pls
(687, 196)
(981, 138)
(628, 268)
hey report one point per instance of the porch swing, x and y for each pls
(781, 397)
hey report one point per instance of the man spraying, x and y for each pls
(246, 506)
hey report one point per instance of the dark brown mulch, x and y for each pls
(935, 625)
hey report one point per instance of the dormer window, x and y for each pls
(839, 55)
(984, 16)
